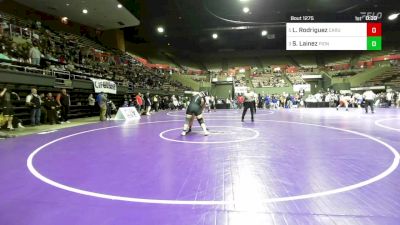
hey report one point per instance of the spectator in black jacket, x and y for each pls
(51, 105)
(64, 101)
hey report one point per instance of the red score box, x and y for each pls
(374, 29)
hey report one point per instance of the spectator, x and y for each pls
(64, 102)
(389, 97)
(91, 103)
(139, 102)
(147, 103)
(51, 106)
(43, 111)
(6, 106)
(15, 123)
(155, 102)
(33, 100)
(110, 108)
(175, 102)
(34, 54)
(102, 102)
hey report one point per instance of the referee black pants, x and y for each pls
(369, 103)
(248, 105)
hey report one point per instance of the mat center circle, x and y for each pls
(218, 135)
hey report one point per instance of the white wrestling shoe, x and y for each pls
(206, 133)
(183, 133)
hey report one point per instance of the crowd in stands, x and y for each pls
(345, 73)
(260, 79)
(295, 78)
(29, 44)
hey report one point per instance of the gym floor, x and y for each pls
(297, 166)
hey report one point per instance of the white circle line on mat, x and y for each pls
(374, 179)
(379, 124)
(212, 115)
(256, 135)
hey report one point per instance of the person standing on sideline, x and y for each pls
(213, 103)
(208, 104)
(102, 102)
(6, 107)
(51, 106)
(91, 103)
(248, 103)
(147, 103)
(139, 102)
(155, 103)
(33, 100)
(64, 102)
(110, 107)
(255, 98)
(369, 97)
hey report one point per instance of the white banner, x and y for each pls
(127, 113)
(104, 86)
(305, 76)
(305, 87)
(241, 90)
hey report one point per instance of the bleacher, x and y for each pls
(79, 56)
(336, 60)
(295, 78)
(390, 78)
(62, 62)
(372, 54)
(306, 61)
(263, 80)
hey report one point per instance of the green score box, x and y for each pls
(374, 43)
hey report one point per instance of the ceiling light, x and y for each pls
(160, 29)
(67, 4)
(264, 33)
(119, 6)
(243, 0)
(215, 36)
(246, 9)
(393, 16)
(84, 11)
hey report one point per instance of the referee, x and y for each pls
(369, 97)
(248, 103)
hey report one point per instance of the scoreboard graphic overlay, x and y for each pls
(334, 36)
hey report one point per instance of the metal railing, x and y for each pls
(61, 74)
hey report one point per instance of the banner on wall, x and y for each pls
(104, 86)
(305, 87)
(241, 90)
